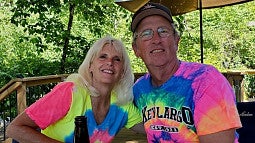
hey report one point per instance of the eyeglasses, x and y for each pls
(147, 34)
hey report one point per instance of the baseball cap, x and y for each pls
(149, 9)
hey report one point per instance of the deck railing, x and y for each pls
(19, 93)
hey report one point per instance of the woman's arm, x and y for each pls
(24, 130)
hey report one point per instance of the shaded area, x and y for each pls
(179, 7)
(129, 136)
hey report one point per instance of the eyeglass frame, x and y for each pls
(139, 34)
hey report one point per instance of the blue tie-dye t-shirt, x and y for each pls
(196, 100)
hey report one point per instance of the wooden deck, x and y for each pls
(129, 136)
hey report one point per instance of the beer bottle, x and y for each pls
(81, 134)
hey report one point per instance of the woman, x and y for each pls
(101, 90)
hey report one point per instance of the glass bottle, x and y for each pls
(81, 134)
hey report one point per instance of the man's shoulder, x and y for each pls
(143, 80)
(195, 66)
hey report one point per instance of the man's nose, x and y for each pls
(156, 37)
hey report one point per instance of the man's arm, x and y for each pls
(139, 128)
(226, 136)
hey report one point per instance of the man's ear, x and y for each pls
(136, 51)
(177, 40)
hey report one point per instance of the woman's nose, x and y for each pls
(109, 61)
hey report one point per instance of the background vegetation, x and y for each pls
(52, 37)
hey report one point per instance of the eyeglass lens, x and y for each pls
(148, 33)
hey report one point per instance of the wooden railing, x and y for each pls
(236, 80)
(20, 86)
(18, 89)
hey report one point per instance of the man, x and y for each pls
(179, 101)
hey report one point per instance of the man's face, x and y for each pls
(156, 42)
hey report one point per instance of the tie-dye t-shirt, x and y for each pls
(55, 112)
(196, 100)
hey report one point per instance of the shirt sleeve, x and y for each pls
(215, 109)
(134, 116)
(52, 106)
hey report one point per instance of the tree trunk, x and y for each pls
(65, 48)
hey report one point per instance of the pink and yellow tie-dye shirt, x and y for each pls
(196, 100)
(55, 112)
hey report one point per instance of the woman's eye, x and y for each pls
(117, 59)
(102, 56)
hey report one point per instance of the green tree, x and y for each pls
(228, 40)
(52, 37)
(51, 23)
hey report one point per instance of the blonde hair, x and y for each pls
(123, 88)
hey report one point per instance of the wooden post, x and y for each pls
(235, 79)
(21, 98)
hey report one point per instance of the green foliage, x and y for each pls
(250, 86)
(228, 40)
(18, 56)
(33, 35)
(50, 23)
(40, 17)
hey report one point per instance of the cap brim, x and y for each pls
(146, 13)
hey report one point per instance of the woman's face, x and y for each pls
(107, 67)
